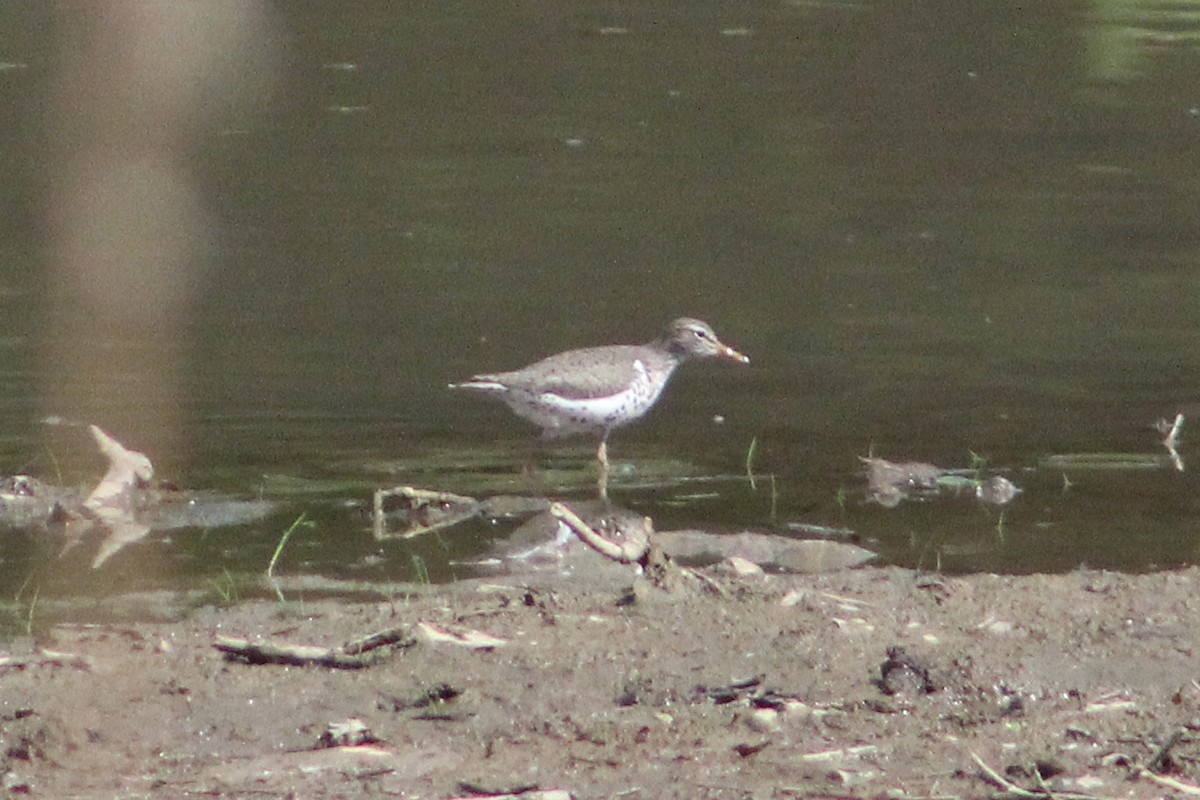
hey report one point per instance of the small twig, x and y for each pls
(1162, 780)
(996, 779)
(1012, 790)
(1158, 763)
(479, 790)
(1043, 787)
(852, 602)
(706, 582)
(1171, 439)
(401, 636)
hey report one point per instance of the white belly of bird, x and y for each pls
(562, 416)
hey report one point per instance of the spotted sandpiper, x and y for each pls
(596, 389)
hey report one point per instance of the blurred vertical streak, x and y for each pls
(138, 87)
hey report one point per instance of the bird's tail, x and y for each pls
(478, 385)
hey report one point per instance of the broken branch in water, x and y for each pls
(636, 548)
(112, 502)
(631, 551)
(127, 470)
(424, 510)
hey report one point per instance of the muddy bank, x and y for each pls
(859, 683)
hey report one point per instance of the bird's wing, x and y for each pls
(583, 374)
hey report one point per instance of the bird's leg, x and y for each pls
(602, 457)
(530, 465)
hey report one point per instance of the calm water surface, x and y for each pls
(257, 242)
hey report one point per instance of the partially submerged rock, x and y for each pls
(891, 482)
(777, 553)
(27, 502)
(996, 490)
(552, 533)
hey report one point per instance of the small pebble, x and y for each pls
(743, 566)
(764, 720)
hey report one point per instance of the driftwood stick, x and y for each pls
(291, 654)
(400, 636)
(632, 553)
(427, 511)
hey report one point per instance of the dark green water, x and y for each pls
(257, 242)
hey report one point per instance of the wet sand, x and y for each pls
(602, 685)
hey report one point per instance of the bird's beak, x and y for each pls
(733, 355)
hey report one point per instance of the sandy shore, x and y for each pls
(605, 686)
